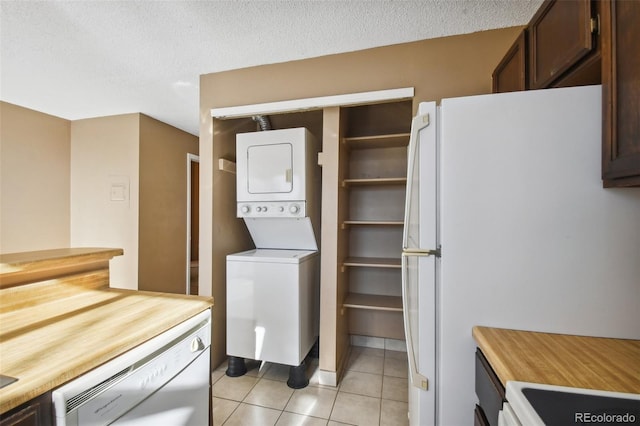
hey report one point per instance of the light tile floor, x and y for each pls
(373, 391)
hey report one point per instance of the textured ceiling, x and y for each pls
(94, 58)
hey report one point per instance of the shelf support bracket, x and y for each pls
(226, 165)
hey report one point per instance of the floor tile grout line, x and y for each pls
(305, 415)
(285, 405)
(333, 406)
(241, 402)
(337, 389)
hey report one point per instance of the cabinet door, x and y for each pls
(37, 412)
(26, 417)
(560, 35)
(489, 389)
(511, 73)
(479, 419)
(621, 93)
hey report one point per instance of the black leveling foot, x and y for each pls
(236, 367)
(298, 377)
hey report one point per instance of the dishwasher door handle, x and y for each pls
(197, 344)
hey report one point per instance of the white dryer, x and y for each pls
(275, 173)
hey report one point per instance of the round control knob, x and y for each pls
(281, 209)
(258, 209)
(264, 209)
(245, 209)
(294, 208)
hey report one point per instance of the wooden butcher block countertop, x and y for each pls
(59, 329)
(559, 359)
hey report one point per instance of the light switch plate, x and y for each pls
(118, 188)
(118, 192)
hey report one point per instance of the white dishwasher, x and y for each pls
(164, 381)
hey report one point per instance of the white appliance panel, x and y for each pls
(282, 233)
(272, 165)
(521, 410)
(421, 337)
(272, 306)
(272, 209)
(419, 266)
(272, 256)
(420, 230)
(530, 239)
(270, 168)
(145, 385)
(176, 404)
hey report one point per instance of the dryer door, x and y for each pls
(270, 169)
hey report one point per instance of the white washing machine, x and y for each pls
(272, 305)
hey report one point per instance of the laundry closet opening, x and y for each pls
(359, 144)
(273, 289)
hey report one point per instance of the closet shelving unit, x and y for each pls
(373, 178)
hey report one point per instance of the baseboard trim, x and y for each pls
(378, 343)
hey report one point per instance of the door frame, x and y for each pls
(191, 158)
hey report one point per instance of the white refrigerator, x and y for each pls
(507, 225)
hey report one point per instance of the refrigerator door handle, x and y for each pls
(421, 252)
(418, 380)
(418, 123)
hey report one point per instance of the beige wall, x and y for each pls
(34, 179)
(148, 158)
(56, 181)
(437, 68)
(162, 252)
(104, 157)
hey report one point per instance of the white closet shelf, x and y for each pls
(373, 302)
(375, 181)
(373, 262)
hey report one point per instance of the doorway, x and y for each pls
(193, 205)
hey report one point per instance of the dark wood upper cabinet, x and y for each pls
(561, 34)
(511, 73)
(583, 42)
(621, 93)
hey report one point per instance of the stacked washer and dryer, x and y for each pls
(273, 291)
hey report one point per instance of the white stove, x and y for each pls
(535, 404)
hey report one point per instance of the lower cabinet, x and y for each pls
(490, 392)
(479, 419)
(37, 412)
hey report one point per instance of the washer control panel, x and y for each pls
(272, 209)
